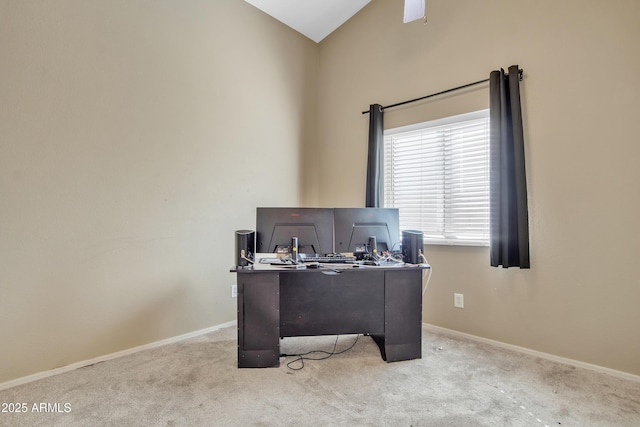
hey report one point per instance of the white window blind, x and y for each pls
(437, 174)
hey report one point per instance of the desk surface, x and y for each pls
(302, 267)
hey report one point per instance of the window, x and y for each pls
(437, 174)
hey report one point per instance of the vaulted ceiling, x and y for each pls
(316, 19)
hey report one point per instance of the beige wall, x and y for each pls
(135, 137)
(581, 104)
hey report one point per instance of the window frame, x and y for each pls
(447, 206)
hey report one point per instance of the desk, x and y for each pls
(384, 302)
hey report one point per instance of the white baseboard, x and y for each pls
(82, 364)
(564, 360)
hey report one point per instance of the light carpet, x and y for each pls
(457, 382)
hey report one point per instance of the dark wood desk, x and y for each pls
(383, 302)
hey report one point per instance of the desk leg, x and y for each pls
(258, 320)
(402, 339)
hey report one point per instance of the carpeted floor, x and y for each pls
(458, 382)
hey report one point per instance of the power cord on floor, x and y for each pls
(327, 354)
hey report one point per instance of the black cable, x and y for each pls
(301, 357)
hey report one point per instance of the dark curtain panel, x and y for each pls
(375, 187)
(509, 216)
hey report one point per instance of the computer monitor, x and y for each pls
(276, 227)
(355, 226)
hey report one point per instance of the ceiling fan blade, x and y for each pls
(413, 10)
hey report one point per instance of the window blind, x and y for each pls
(437, 174)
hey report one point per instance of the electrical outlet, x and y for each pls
(234, 291)
(458, 300)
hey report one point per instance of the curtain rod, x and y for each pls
(520, 72)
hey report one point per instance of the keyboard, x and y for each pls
(330, 259)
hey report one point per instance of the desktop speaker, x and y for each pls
(412, 245)
(245, 248)
(294, 249)
(373, 246)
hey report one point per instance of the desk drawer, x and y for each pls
(327, 304)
